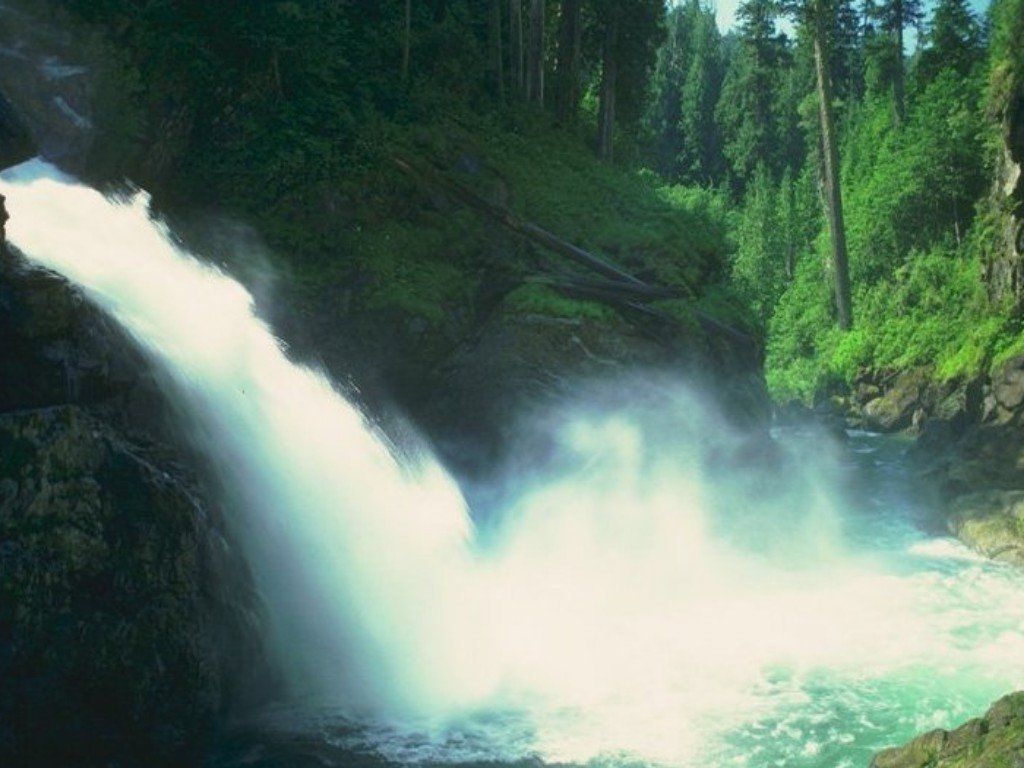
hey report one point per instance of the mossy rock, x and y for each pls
(992, 523)
(993, 741)
(894, 410)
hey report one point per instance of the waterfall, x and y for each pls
(630, 596)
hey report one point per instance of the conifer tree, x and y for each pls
(815, 17)
(953, 39)
(745, 109)
(894, 17)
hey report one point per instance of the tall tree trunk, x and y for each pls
(898, 77)
(833, 192)
(535, 57)
(570, 33)
(515, 44)
(497, 56)
(606, 108)
(406, 39)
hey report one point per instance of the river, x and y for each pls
(647, 584)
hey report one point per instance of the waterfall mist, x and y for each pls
(649, 589)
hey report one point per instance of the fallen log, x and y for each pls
(508, 219)
(607, 288)
(625, 290)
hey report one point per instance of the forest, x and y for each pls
(512, 383)
(838, 155)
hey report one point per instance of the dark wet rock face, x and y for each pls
(120, 623)
(993, 741)
(55, 348)
(518, 363)
(47, 95)
(128, 624)
(518, 366)
(16, 145)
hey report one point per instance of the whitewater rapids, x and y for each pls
(632, 600)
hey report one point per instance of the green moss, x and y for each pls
(407, 271)
(535, 299)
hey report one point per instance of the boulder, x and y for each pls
(520, 362)
(895, 409)
(1008, 383)
(993, 741)
(992, 523)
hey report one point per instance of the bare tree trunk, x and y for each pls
(406, 39)
(898, 77)
(535, 58)
(570, 33)
(515, 44)
(606, 108)
(497, 56)
(833, 192)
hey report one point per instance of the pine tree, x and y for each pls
(953, 39)
(894, 17)
(630, 32)
(685, 89)
(846, 52)
(816, 17)
(515, 45)
(535, 53)
(663, 118)
(700, 156)
(497, 55)
(567, 73)
(745, 109)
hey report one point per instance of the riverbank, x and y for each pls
(967, 444)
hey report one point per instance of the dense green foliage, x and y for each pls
(291, 113)
(919, 229)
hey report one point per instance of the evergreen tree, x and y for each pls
(535, 52)
(700, 156)
(762, 256)
(953, 41)
(846, 51)
(630, 32)
(894, 17)
(567, 74)
(745, 110)
(685, 88)
(516, 64)
(817, 17)
(663, 118)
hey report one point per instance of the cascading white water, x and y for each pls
(630, 602)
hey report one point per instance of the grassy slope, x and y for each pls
(414, 253)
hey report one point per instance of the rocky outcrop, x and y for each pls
(973, 437)
(1004, 265)
(124, 615)
(520, 363)
(991, 522)
(893, 409)
(47, 94)
(16, 146)
(128, 624)
(993, 741)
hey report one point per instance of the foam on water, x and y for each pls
(646, 595)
